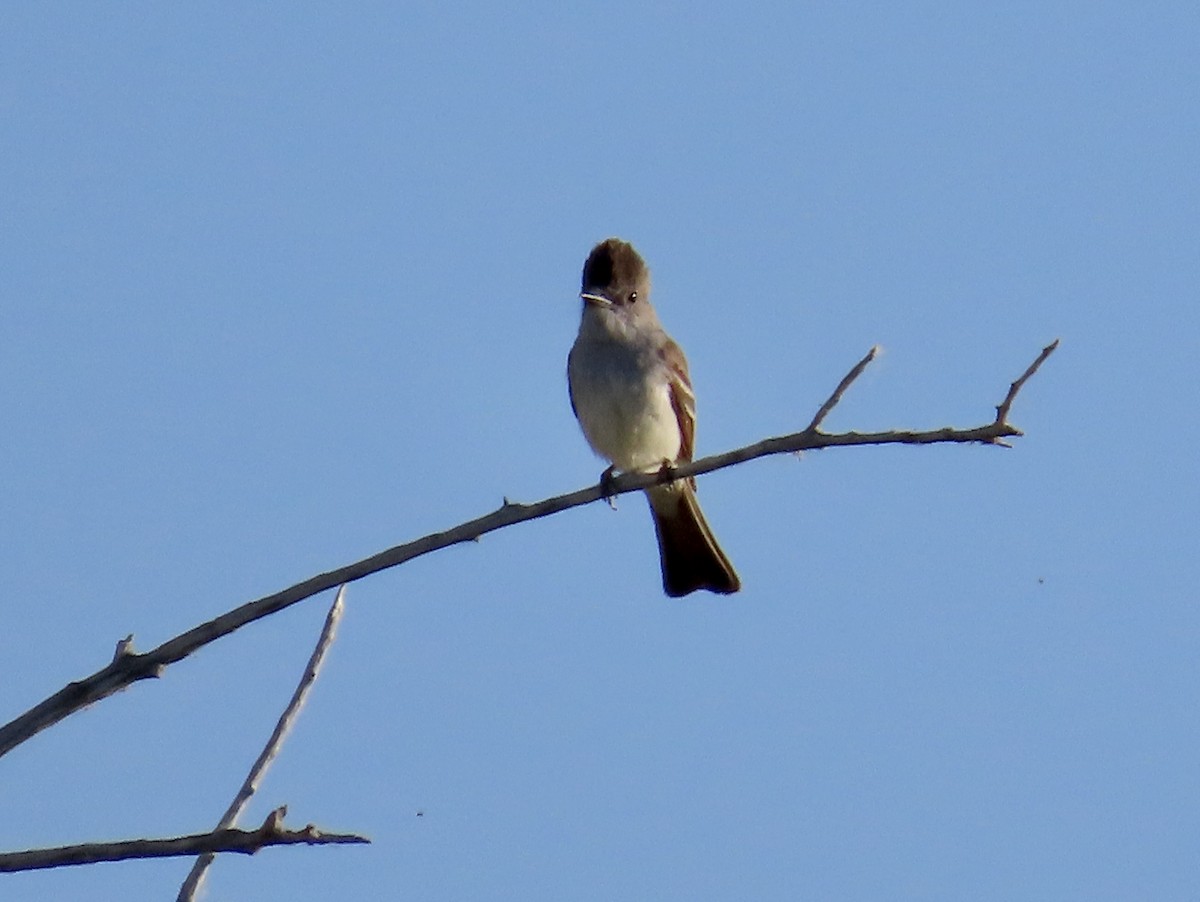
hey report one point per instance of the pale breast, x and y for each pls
(624, 407)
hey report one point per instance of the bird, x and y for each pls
(630, 390)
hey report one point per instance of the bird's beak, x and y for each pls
(596, 300)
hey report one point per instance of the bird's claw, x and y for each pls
(607, 491)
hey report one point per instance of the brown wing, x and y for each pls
(682, 398)
(570, 391)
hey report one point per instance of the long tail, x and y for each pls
(690, 556)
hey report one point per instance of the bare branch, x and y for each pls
(195, 878)
(130, 668)
(271, 833)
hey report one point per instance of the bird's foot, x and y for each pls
(607, 478)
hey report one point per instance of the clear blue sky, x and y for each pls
(283, 286)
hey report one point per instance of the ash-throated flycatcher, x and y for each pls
(632, 396)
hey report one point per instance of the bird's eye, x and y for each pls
(633, 297)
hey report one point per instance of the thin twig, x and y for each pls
(130, 668)
(195, 878)
(271, 833)
(841, 390)
(1003, 408)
